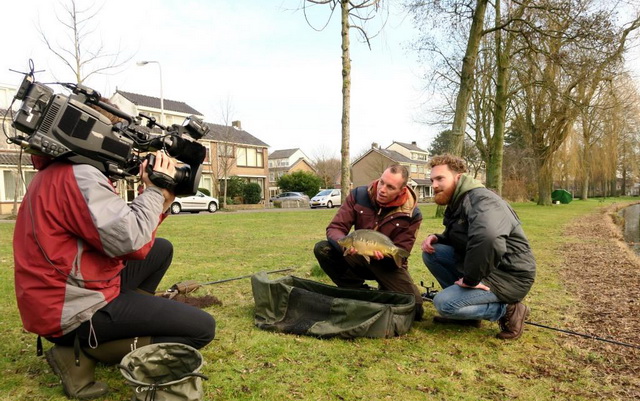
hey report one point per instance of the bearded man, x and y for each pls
(482, 260)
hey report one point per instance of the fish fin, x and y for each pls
(403, 253)
(367, 258)
(398, 259)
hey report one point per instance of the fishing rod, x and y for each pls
(592, 337)
(188, 286)
(431, 292)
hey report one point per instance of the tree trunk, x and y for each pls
(345, 176)
(467, 77)
(545, 180)
(224, 197)
(586, 170)
(496, 145)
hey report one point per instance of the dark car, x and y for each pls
(291, 196)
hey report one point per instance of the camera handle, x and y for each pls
(159, 179)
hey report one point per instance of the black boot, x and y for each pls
(77, 381)
(112, 352)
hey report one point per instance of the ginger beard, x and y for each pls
(442, 197)
(444, 182)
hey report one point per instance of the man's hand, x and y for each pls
(163, 164)
(427, 244)
(480, 286)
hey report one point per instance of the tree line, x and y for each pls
(535, 91)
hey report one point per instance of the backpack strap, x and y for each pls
(361, 195)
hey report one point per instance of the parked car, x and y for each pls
(327, 198)
(196, 203)
(289, 195)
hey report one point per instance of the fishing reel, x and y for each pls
(430, 292)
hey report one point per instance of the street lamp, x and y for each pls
(141, 63)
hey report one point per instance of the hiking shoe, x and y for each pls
(461, 322)
(512, 323)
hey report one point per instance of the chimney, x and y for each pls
(236, 124)
(374, 145)
(413, 143)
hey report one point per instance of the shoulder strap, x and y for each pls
(361, 196)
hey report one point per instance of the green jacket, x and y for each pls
(489, 241)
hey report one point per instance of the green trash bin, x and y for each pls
(561, 195)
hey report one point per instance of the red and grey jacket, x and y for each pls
(72, 237)
(361, 211)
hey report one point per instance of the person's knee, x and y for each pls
(164, 247)
(207, 331)
(322, 250)
(444, 305)
(428, 258)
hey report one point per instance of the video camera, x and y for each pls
(73, 128)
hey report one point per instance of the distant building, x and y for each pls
(285, 161)
(12, 185)
(133, 104)
(372, 164)
(232, 151)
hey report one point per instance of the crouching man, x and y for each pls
(482, 260)
(389, 206)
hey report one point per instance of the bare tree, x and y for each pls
(81, 53)
(327, 167)
(225, 152)
(566, 52)
(353, 14)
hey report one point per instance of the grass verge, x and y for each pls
(244, 363)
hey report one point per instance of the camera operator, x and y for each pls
(87, 265)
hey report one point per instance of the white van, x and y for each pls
(326, 198)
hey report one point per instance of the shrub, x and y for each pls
(252, 193)
(300, 181)
(235, 186)
(205, 191)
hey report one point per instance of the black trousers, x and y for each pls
(133, 314)
(351, 271)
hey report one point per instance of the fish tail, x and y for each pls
(399, 255)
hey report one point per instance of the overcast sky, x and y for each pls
(280, 78)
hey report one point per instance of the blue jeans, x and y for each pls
(456, 302)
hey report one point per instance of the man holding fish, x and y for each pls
(385, 218)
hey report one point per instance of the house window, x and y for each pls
(252, 158)
(249, 157)
(414, 168)
(225, 150)
(272, 176)
(241, 156)
(9, 184)
(260, 158)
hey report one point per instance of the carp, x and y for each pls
(368, 241)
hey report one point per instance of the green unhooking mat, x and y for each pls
(298, 306)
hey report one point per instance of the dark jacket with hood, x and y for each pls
(360, 211)
(489, 241)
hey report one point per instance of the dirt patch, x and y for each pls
(604, 275)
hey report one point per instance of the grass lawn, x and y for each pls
(244, 363)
